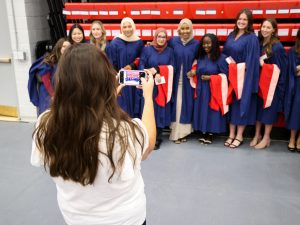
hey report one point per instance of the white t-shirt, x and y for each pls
(121, 202)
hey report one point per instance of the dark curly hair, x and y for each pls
(215, 47)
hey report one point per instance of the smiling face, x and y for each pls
(267, 29)
(127, 29)
(207, 44)
(96, 31)
(161, 38)
(77, 35)
(185, 31)
(242, 22)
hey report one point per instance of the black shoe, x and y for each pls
(202, 138)
(208, 138)
(157, 144)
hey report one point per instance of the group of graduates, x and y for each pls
(198, 87)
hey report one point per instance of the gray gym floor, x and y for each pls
(186, 184)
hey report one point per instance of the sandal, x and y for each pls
(183, 140)
(236, 146)
(255, 141)
(177, 142)
(228, 141)
(291, 149)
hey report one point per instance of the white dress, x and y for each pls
(179, 130)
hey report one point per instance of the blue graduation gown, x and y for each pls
(37, 91)
(245, 49)
(292, 98)
(205, 118)
(184, 56)
(151, 58)
(106, 50)
(122, 53)
(270, 114)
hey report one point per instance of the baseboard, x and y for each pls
(9, 111)
(9, 118)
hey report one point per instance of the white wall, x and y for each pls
(28, 24)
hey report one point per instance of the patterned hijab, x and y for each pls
(159, 48)
(133, 37)
(190, 24)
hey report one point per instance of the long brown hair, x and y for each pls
(53, 57)
(274, 37)
(297, 45)
(103, 36)
(249, 15)
(84, 105)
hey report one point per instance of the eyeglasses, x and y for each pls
(161, 37)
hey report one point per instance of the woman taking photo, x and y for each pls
(90, 147)
(242, 47)
(185, 52)
(273, 61)
(123, 50)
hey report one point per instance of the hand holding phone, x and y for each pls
(131, 77)
(147, 85)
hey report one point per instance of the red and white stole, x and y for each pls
(236, 79)
(194, 79)
(136, 62)
(166, 86)
(219, 92)
(268, 80)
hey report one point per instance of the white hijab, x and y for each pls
(133, 37)
(190, 24)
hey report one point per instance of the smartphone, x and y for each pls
(131, 77)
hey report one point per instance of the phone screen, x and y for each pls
(131, 77)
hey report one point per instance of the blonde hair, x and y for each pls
(103, 36)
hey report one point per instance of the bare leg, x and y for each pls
(231, 137)
(298, 143)
(239, 137)
(292, 141)
(265, 142)
(257, 136)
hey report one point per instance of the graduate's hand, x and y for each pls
(298, 68)
(157, 78)
(127, 67)
(153, 70)
(261, 62)
(205, 77)
(191, 73)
